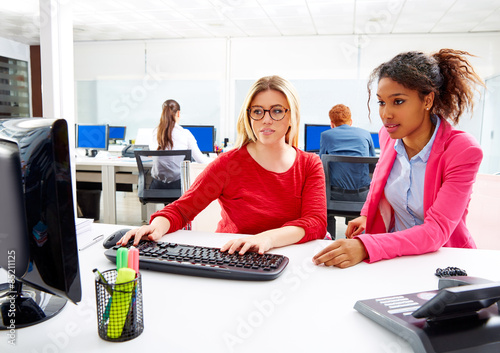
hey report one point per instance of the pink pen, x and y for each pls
(133, 259)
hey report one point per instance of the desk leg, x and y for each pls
(109, 193)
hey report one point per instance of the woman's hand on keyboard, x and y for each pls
(154, 231)
(259, 243)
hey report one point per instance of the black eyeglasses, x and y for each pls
(277, 112)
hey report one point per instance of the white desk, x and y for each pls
(108, 168)
(308, 309)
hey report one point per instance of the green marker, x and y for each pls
(121, 258)
(120, 304)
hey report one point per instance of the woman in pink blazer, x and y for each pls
(422, 184)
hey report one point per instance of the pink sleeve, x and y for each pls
(457, 170)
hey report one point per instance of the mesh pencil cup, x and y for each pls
(119, 307)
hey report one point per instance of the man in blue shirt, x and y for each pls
(344, 139)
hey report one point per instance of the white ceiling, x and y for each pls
(96, 20)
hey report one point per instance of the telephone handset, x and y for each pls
(128, 151)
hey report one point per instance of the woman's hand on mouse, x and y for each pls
(154, 231)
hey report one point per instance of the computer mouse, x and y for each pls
(111, 240)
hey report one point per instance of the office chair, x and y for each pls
(347, 209)
(144, 163)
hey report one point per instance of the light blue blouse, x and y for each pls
(405, 186)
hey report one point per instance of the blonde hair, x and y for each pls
(244, 130)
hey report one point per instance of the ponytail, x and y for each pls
(167, 122)
(456, 94)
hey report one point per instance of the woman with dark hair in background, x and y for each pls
(422, 184)
(171, 136)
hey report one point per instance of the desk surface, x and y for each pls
(309, 308)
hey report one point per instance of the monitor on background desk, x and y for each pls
(312, 135)
(204, 135)
(117, 133)
(376, 143)
(92, 138)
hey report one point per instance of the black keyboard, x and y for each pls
(205, 261)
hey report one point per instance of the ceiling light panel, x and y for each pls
(163, 15)
(237, 13)
(329, 9)
(286, 11)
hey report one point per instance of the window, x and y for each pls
(14, 91)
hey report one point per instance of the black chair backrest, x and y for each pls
(326, 159)
(157, 195)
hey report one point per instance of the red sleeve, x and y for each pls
(206, 188)
(313, 212)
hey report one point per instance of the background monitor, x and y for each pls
(312, 134)
(117, 133)
(38, 238)
(204, 135)
(376, 143)
(93, 137)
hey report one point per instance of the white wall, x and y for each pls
(326, 70)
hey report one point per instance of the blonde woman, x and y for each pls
(266, 186)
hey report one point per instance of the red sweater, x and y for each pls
(254, 199)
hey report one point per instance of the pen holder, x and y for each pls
(119, 308)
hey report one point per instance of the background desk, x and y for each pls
(308, 309)
(108, 177)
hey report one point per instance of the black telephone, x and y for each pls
(128, 151)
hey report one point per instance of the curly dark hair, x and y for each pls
(447, 73)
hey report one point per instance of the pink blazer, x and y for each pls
(450, 173)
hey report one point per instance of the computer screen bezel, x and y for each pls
(212, 127)
(307, 136)
(99, 148)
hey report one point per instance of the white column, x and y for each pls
(56, 55)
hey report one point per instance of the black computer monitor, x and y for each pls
(312, 134)
(38, 244)
(376, 143)
(204, 135)
(92, 138)
(117, 133)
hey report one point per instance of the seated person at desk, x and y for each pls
(266, 186)
(346, 140)
(423, 180)
(171, 136)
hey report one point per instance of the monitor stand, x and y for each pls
(479, 333)
(23, 305)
